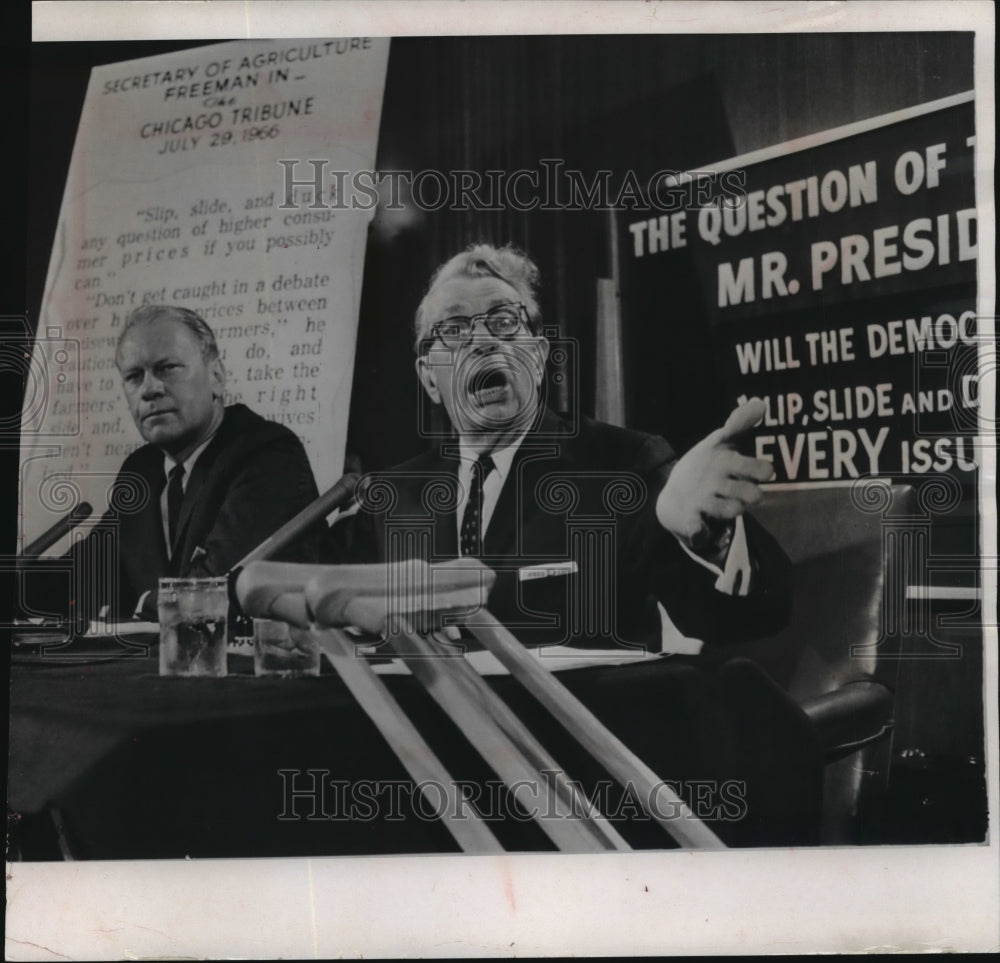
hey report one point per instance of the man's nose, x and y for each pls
(152, 386)
(481, 338)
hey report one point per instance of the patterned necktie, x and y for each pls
(175, 496)
(470, 538)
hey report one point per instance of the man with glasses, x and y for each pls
(599, 535)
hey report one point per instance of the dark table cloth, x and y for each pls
(138, 766)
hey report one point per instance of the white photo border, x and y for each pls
(879, 899)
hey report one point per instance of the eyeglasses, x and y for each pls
(502, 321)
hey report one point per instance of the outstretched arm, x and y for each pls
(741, 589)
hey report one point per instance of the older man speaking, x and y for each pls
(595, 532)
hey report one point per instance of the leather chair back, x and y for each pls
(833, 536)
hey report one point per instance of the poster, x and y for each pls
(838, 279)
(767, 901)
(166, 202)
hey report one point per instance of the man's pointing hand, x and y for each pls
(713, 481)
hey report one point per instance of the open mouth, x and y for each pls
(489, 387)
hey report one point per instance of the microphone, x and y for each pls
(67, 523)
(339, 495)
(336, 497)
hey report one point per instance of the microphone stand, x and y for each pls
(66, 524)
(342, 493)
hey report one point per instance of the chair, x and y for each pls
(826, 657)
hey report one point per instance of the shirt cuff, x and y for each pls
(137, 614)
(734, 579)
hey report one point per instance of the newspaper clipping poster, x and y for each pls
(501, 479)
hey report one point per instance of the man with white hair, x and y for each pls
(595, 532)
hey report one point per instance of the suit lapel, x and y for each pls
(517, 508)
(501, 534)
(192, 496)
(141, 534)
(446, 523)
(202, 475)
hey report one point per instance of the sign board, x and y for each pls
(836, 279)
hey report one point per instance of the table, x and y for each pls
(133, 765)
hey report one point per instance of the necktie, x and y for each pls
(471, 535)
(175, 496)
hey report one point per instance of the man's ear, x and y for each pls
(218, 380)
(542, 343)
(426, 375)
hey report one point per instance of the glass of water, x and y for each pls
(193, 626)
(283, 650)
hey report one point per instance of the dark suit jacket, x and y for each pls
(585, 497)
(252, 477)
